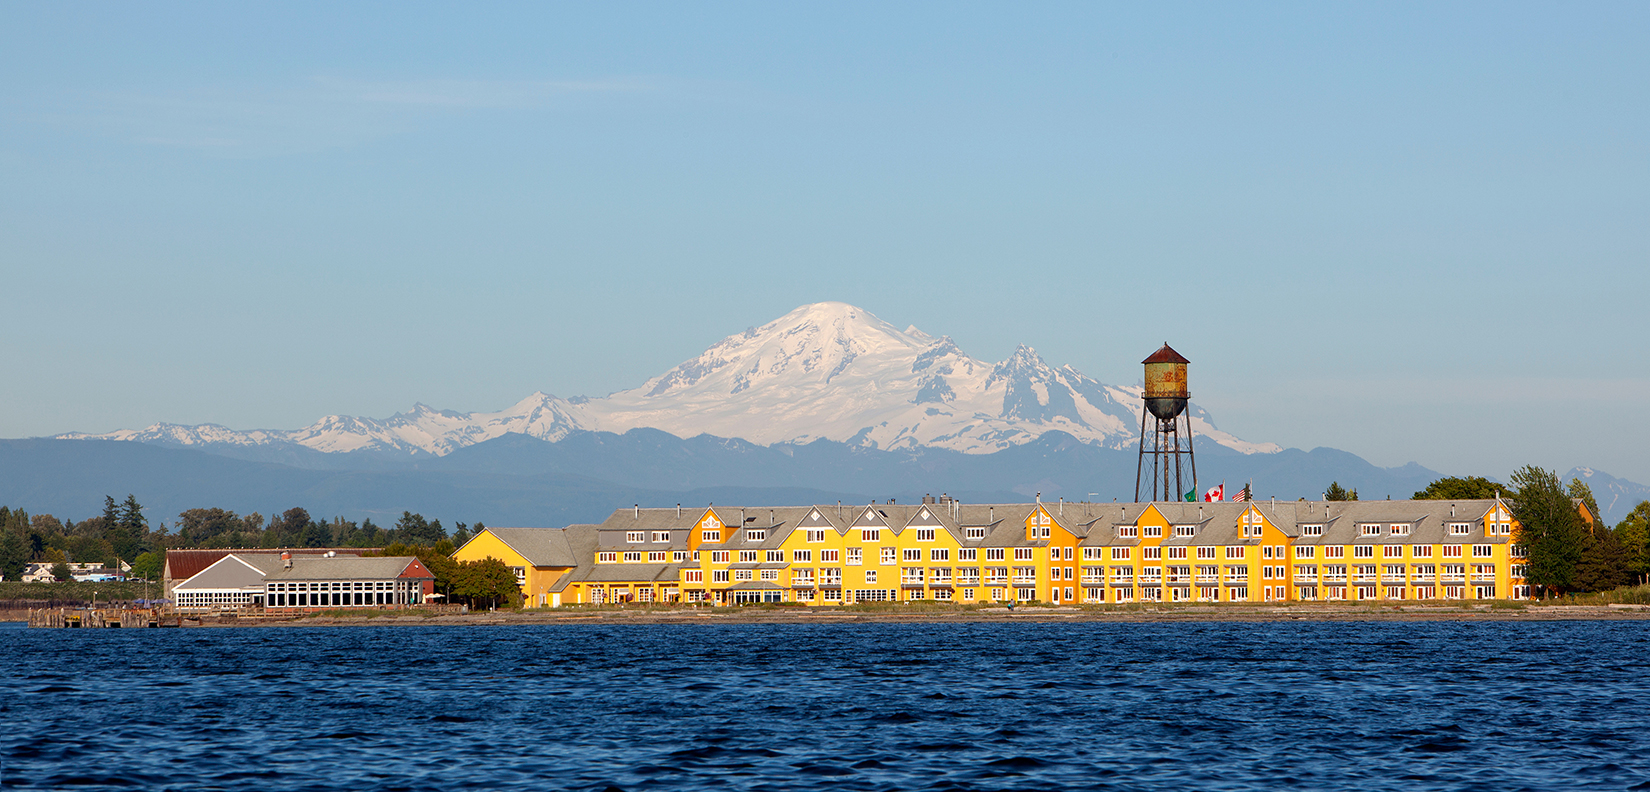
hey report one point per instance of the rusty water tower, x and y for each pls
(1167, 469)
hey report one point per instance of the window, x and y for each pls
(1334, 551)
(968, 554)
(975, 532)
(1184, 530)
(1369, 529)
(1392, 551)
(889, 556)
(939, 554)
(993, 554)
(1311, 530)
(741, 574)
(870, 576)
(1363, 551)
(1068, 554)
(632, 557)
(1151, 553)
(1054, 554)
(1452, 551)
(1153, 531)
(803, 556)
(870, 534)
(693, 576)
(1421, 551)
(1518, 551)
(830, 556)
(776, 556)
(925, 534)
(711, 536)
(678, 556)
(1234, 552)
(1460, 529)
(816, 535)
(755, 535)
(1120, 554)
(634, 537)
(718, 556)
(1400, 529)
(1177, 553)
(748, 556)
(1206, 552)
(657, 556)
(1483, 551)
(911, 554)
(770, 574)
(718, 576)
(1022, 553)
(1128, 531)
(1304, 551)
(855, 556)
(607, 558)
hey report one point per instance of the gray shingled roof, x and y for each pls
(542, 547)
(343, 568)
(232, 572)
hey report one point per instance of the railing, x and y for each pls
(1178, 578)
(1306, 577)
(996, 581)
(968, 581)
(1483, 577)
(1332, 577)
(830, 581)
(1209, 579)
(1364, 577)
(1452, 577)
(1025, 579)
(1423, 577)
(1398, 578)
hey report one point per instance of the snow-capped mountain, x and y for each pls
(828, 370)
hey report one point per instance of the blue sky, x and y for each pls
(1411, 231)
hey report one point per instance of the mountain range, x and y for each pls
(827, 402)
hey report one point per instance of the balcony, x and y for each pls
(1423, 577)
(968, 581)
(1208, 580)
(802, 583)
(1025, 580)
(1183, 580)
(1094, 580)
(1306, 577)
(996, 581)
(1364, 577)
(1452, 577)
(1334, 577)
(1236, 580)
(1398, 578)
(1483, 577)
(830, 582)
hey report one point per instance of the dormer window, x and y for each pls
(1152, 531)
(1128, 531)
(975, 532)
(635, 537)
(1369, 529)
(1400, 529)
(1311, 530)
(756, 535)
(1183, 531)
(1460, 529)
(661, 536)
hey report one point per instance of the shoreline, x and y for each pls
(1187, 614)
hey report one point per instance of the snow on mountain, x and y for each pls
(828, 370)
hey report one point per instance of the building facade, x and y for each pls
(1053, 553)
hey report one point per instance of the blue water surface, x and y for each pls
(1331, 706)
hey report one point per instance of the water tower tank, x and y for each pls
(1166, 383)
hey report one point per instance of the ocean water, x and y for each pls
(1320, 706)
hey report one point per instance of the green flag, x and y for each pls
(1192, 494)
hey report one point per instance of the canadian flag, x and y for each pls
(1215, 493)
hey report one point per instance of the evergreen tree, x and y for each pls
(1338, 493)
(1457, 488)
(1603, 563)
(1550, 529)
(1634, 534)
(14, 553)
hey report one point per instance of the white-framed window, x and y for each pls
(1128, 531)
(994, 554)
(1483, 551)
(756, 534)
(1184, 531)
(1152, 531)
(678, 556)
(1305, 551)
(657, 556)
(870, 534)
(776, 556)
(968, 554)
(718, 556)
(1363, 551)
(939, 554)
(1235, 552)
(742, 574)
(635, 537)
(1204, 553)
(925, 534)
(974, 532)
(1054, 554)
(1460, 529)
(1392, 551)
(748, 556)
(856, 556)
(693, 576)
(1177, 553)
(1120, 553)
(770, 574)
(1400, 529)
(1518, 551)
(870, 576)
(1452, 551)
(632, 557)
(889, 556)
(661, 536)
(1420, 551)
(802, 556)
(607, 558)
(1023, 553)
(718, 576)
(1311, 530)
(911, 554)
(1369, 529)
(1151, 553)
(816, 535)
(830, 556)
(714, 537)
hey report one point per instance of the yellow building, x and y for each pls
(1055, 553)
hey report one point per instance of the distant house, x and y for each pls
(231, 583)
(327, 582)
(184, 564)
(542, 558)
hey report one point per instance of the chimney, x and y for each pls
(678, 511)
(1039, 497)
(286, 560)
(638, 511)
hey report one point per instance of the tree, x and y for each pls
(1634, 534)
(1579, 491)
(486, 583)
(1338, 493)
(14, 554)
(1603, 563)
(149, 566)
(60, 572)
(1550, 529)
(414, 529)
(1458, 488)
(461, 534)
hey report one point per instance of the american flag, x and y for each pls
(1242, 494)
